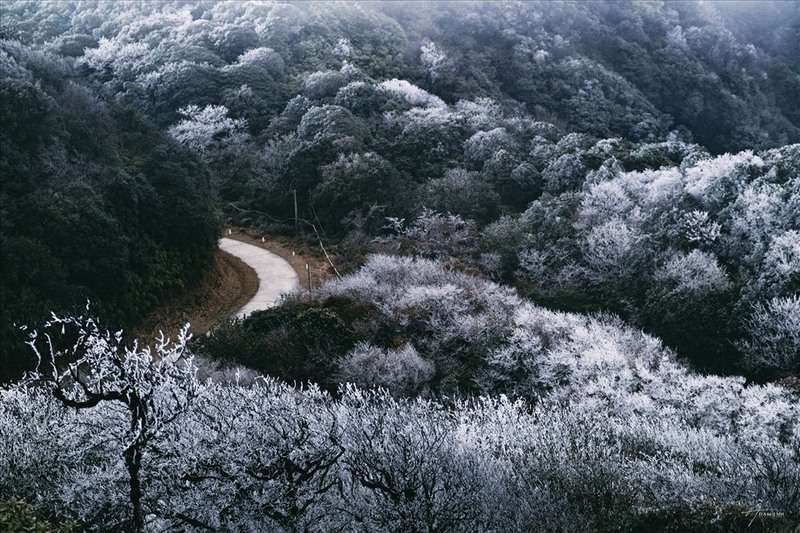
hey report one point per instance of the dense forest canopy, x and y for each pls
(633, 69)
(569, 234)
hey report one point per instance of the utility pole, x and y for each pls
(294, 196)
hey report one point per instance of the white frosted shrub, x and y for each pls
(482, 145)
(411, 94)
(610, 249)
(402, 371)
(434, 59)
(773, 342)
(696, 272)
(264, 57)
(759, 213)
(481, 114)
(705, 174)
(323, 84)
(62, 459)
(565, 173)
(603, 202)
(202, 128)
(780, 268)
(408, 469)
(698, 229)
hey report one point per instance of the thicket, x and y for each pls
(617, 440)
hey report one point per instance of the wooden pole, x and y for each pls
(294, 196)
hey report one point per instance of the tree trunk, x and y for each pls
(133, 460)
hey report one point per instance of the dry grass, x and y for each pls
(225, 289)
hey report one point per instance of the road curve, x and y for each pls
(275, 276)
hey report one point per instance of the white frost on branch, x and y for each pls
(201, 128)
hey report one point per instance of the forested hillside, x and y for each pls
(97, 203)
(581, 144)
(634, 69)
(569, 243)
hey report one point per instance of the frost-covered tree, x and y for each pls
(410, 93)
(688, 296)
(432, 234)
(319, 85)
(779, 272)
(264, 57)
(434, 59)
(407, 475)
(267, 453)
(207, 127)
(463, 193)
(699, 229)
(354, 183)
(361, 98)
(94, 369)
(484, 144)
(773, 336)
(565, 173)
(611, 250)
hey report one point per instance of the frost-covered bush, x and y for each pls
(482, 145)
(780, 268)
(463, 193)
(433, 235)
(565, 173)
(610, 250)
(480, 113)
(203, 128)
(361, 98)
(434, 60)
(697, 272)
(328, 123)
(400, 371)
(773, 336)
(410, 93)
(264, 57)
(325, 84)
(699, 229)
(355, 183)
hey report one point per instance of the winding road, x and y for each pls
(275, 276)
